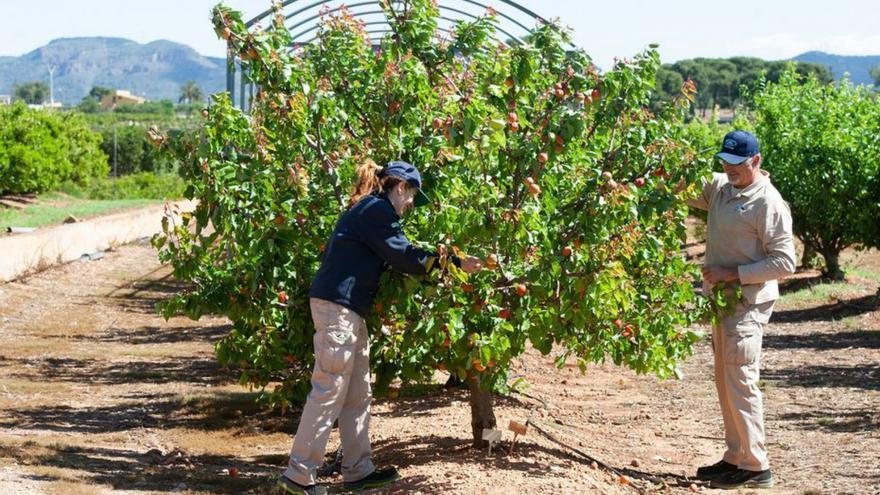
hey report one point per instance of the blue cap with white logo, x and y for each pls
(737, 147)
(411, 175)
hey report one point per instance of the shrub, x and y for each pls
(40, 149)
(821, 144)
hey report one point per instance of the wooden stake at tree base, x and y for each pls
(518, 429)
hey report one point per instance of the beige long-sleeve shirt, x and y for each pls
(750, 229)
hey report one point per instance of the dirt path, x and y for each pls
(100, 395)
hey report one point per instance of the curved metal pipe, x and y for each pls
(511, 3)
(373, 12)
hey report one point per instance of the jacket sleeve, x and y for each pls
(381, 231)
(775, 234)
(704, 199)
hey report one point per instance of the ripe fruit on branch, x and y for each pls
(566, 251)
(492, 261)
(542, 157)
(534, 189)
(521, 289)
(282, 297)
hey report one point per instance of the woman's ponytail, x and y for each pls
(368, 182)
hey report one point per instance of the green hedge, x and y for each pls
(41, 149)
(143, 185)
(134, 151)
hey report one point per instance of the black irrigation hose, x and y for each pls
(680, 481)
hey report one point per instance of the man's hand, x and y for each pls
(471, 264)
(715, 274)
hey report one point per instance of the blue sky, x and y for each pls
(769, 29)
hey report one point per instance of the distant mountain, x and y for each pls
(155, 70)
(856, 65)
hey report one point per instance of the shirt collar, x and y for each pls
(752, 188)
(382, 195)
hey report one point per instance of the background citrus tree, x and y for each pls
(821, 143)
(554, 173)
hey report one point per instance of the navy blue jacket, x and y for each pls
(366, 241)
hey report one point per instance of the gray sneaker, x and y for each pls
(708, 473)
(377, 478)
(290, 487)
(742, 478)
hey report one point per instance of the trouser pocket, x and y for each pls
(742, 344)
(335, 350)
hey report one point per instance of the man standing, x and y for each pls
(750, 244)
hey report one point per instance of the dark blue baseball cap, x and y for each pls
(410, 174)
(737, 147)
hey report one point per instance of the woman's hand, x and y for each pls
(471, 264)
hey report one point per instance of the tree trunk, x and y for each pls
(810, 258)
(832, 264)
(482, 414)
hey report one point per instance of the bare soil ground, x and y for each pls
(100, 395)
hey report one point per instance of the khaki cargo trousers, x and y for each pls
(340, 390)
(737, 345)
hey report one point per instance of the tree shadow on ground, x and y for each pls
(142, 295)
(158, 335)
(832, 311)
(865, 376)
(859, 339)
(423, 400)
(155, 471)
(125, 469)
(529, 458)
(99, 372)
(432, 448)
(801, 281)
(217, 411)
(835, 420)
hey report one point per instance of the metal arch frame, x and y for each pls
(285, 3)
(298, 35)
(248, 86)
(376, 31)
(467, 15)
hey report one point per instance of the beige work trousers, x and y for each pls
(340, 389)
(737, 345)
